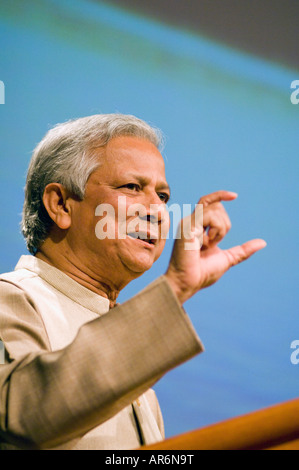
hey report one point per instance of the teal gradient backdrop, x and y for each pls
(229, 124)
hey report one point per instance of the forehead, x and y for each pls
(127, 153)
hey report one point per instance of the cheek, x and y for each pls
(84, 222)
(120, 208)
(165, 225)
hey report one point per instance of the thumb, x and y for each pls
(240, 253)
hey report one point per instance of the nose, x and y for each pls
(151, 218)
(152, 215)
(154, 210)
(155, 207)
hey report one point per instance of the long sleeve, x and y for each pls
(48, 398)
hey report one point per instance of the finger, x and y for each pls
(241, 253)
(205, 241)
(218, 224)
(213, 234)
(200, 217)
(217, 197)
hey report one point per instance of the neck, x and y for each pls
(73, 268)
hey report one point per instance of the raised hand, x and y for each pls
(191, 270)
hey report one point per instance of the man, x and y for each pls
(76, 376)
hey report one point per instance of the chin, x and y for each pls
(137, 258)
(139, 265)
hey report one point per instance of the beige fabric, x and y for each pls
(80, 395)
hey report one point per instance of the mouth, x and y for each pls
(145, 238)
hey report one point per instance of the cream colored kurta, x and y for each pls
(42, 309)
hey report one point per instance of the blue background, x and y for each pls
(229, 124)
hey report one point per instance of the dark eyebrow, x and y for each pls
(144, 181)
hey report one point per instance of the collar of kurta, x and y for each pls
(65, 284)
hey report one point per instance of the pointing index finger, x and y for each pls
(218, 196)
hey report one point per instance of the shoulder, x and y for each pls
(21, 326)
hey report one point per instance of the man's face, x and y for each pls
(131, 172)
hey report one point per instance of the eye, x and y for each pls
(164, 197)
(132, 186)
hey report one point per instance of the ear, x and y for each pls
(56, 200)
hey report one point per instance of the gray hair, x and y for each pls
(65, 156)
